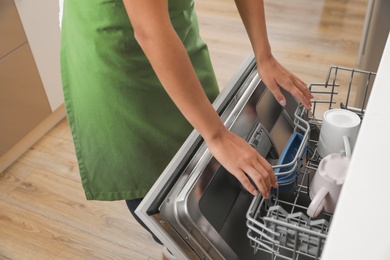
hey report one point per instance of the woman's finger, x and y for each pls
(246, 183)
(267, 166)
(260, 178)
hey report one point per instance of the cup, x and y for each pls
(339, 131)
(326, 185)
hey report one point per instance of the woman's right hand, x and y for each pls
(243, 161)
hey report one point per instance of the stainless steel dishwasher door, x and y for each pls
(197, 208)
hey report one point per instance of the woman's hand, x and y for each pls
(275, 76)
(244, 162)
(271, 72)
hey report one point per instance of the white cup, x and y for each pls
(339, 131)
(327, 183)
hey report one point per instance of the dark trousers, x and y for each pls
(132, 205)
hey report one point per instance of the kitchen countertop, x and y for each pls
(361, 223)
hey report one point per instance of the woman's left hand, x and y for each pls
(275, 76)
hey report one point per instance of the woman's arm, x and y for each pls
(270, 70)
(169, 59)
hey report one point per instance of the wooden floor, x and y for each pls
(43, 211)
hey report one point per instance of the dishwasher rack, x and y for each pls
(279, 225)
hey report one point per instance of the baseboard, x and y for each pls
(31, 138)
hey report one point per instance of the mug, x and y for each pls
(339, 130)
(326, 185)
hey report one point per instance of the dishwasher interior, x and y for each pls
(201, 211)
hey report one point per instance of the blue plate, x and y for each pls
(286, 182)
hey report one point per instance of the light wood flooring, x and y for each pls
(43, 211)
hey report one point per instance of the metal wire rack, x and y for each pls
(279, 225)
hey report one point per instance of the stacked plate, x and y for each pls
(286, 181)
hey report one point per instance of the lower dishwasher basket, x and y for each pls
(279, 225)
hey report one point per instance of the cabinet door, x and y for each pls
(23, 101)
(12, 33)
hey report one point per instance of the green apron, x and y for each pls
(125, 127)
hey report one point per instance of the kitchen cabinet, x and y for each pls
(23, 102)
(31, 100)
(11, 30)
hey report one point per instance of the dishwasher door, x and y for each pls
(197, 208)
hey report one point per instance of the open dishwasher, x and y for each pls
(200, 211)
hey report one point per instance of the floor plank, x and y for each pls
(42, 237)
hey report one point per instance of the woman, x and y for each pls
(137, 78)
